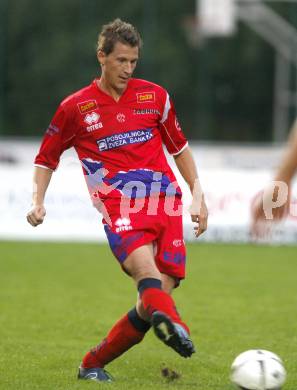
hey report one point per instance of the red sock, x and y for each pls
(121, 337)
(154, 299)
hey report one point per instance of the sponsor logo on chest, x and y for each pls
(145, 97)
(123, 139)
(87, 106)
(146, 111)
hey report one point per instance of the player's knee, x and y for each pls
(140, 264)
(139, 273)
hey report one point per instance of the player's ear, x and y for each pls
(101, 57)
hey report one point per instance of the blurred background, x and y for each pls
(230, 66)
(222, 81)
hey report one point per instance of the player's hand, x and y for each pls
(199, 215)
(36, 215)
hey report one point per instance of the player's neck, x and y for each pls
(109, 89)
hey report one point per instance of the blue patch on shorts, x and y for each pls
(120, 245)
(116, 244)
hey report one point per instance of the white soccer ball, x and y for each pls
(258, 369)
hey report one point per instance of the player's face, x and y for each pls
(118, 66)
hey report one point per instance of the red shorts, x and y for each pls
(125, 234)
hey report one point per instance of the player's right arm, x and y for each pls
(41, 180)
(59, 136)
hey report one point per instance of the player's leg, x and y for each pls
(175, 335)
(141, 265)
(127, 332)
(155, 303)
(168, 284)
(130, 330)
(170, 259)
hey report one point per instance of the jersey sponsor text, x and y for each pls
(87, 106)
(145, 97)
(122, 139)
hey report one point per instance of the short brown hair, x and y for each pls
(117, 31)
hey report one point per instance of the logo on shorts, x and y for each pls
(123, 225)
(145, 97)
(177, 243)
(174, 258)
(87, 106)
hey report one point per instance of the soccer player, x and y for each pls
(118, 125)
(274, 202)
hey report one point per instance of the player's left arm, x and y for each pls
(187, 167)
(177, 145)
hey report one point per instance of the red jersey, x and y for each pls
(119, 143)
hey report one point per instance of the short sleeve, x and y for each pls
(58, 137)
(171, 132)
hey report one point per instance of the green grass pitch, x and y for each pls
(58, 300)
